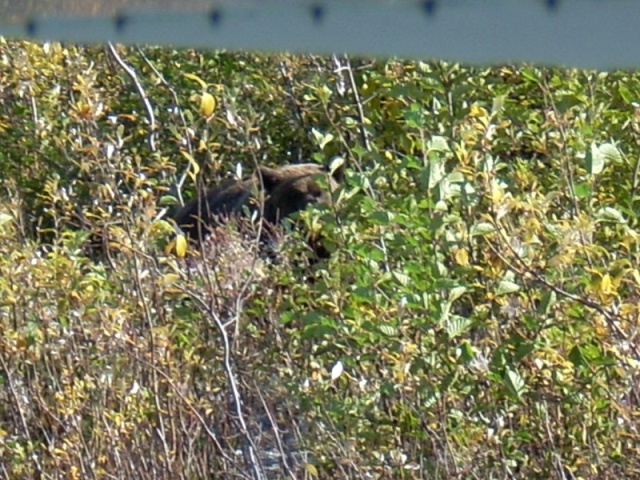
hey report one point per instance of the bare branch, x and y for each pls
(145, 100)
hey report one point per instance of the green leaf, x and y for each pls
(611, 153)
(435, 172)
(610, 214)
(165, 200)
(498, 104)
(547, 301)
(317, 332)
(457, 325)
(582, 190)
(380, 218)
(456, 177)
(438, 144)
(414, 116)
(598, 156)
(466, 352)
(402, 278)
(625, 93)
(322, 139)
(531, 75)
(455, 293)
(595, 161)
(515, 383)
(505, 287)
(482, 228)
(388, 330)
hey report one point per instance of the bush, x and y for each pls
(476, 319)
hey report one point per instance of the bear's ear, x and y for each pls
(270, 177)
(336, 169)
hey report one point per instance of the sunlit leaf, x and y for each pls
(337, 370)
(531, 75)
(388, 330)
(597, 157)
(498, 104)
(482, 228)
(435, 171)
(207, 104)
(457, 325)
(506, 286)
(455, 293)
(595, 161)
(335, 165)
(4, 218)
(170, 278)
(438, 144)
(322, 139)
(610, 214)
(402, 278)
(606, 286)
(514, 382)
(195, 168)
(181, 245)
(611, 153)
(196, 78)
(584, 356)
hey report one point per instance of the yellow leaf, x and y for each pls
(311, 470)
(170, 278)
(496, 194)
(181, 245)
(606, 286)
(461, 256)
(477, 111)
(196, 78)
(170, 247)
(194, 165)
(207, 104)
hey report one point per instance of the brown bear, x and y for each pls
(285, 190)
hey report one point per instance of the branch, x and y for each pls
(145, 100)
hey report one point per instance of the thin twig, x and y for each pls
(176, 101)
(364, 135)
(143, 95)
(276, 434)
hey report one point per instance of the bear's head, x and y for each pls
(292, 188)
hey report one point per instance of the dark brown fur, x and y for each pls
(287, 190)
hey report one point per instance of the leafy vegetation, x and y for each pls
(478, 317)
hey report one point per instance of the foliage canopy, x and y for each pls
(478, 317)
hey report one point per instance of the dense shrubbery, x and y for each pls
(477, 319)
